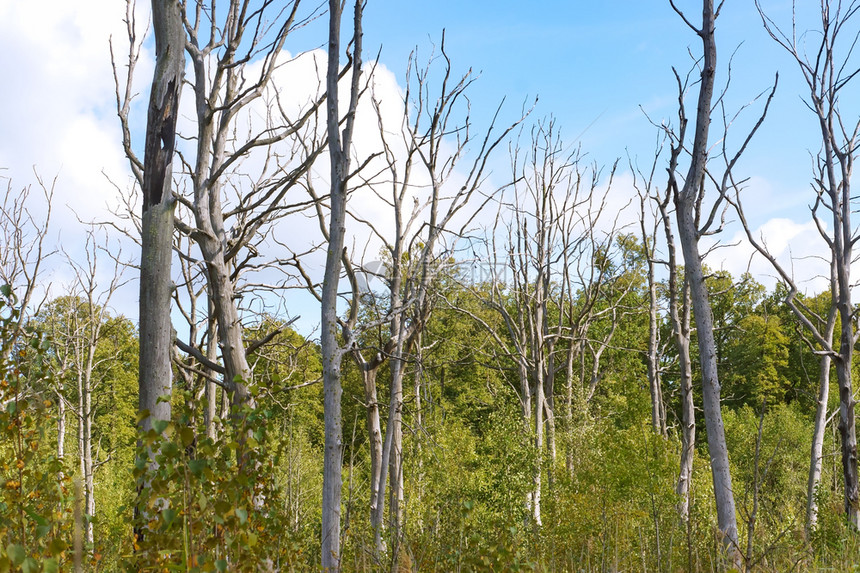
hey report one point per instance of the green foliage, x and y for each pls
(248, 499)
(36, 519)
(758, 359)
(776, 481)
(209, 504)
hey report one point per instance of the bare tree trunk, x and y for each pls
(374, 432)
(82, 441)
(826, 74)
(61, 423)
(688, 412)
(842, 247)
(156, 333)
(817, 453)
(538, 429)
(88, 477)
(679, 316)
(658, 410)
(211, 389)
(568, 404)
(847, 424)
(719, 454)
(155, 378)
(686, 209)
(396, 460)
(332, 354)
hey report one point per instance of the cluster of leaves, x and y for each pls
(36, 497)
(209, 504)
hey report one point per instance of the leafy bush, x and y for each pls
(36, 519)
(209, 504)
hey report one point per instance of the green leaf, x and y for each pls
(169, 515)
(51, 565)
(57, 546)
(16, 553)
(35, 517)
(42, 531)
(197, 466)
(221, 564)
(187, 436)
(242, 514)
(6, 290)
(30, 565)
(159, 425)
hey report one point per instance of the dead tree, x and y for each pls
(827, 70)
(76, 322)
(649, 223)
(549, 234)
(235, 52)
(155, 175)
(695, 220)
(339, 148)
(418, 170)
(23, 249)
(411, 176)
(678, 314)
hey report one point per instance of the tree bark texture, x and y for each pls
(156, 333)
(686, 208)
(332, 354)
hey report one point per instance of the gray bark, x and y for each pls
(223, 87)
(332, 354)
(687, 205)
(369, 373)
(156, 333)
(679, 315)
(211, 389)
(717, 448)
(61, 423)
(658, 409)
(817, 450)
(826, 75)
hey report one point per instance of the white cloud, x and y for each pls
(797, 247)
(60, 112)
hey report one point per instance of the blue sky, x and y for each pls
(597, 65)
(594, 65)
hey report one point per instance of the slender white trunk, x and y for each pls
(843, 250)
(658, 412)
(396, 456)
(339, 145)
(719, 454)
(377, 476)
(211, 389)
(816, 455)
(61, 424)
(688, 231)
(679, 315)
(89, 484)
(539, 438)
